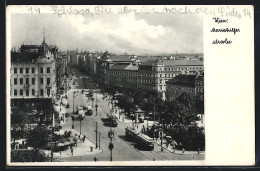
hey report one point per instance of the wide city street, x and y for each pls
(123, 150)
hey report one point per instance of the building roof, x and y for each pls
(124, 67)
(43, 48)
(200, 77)
(183, 80)
(23, 56)
(125, 58)
(148, 62)
(182, 62)
(29, 48)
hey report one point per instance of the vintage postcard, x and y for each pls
(130, 85)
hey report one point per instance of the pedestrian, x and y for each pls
(183, 150)
(198, 150)
(95, 159)
(84, 138)
(71, 150)
(60, 152)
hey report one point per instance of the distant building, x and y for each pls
(180, 84)
(191, 84)
(32, 74)
(145, 72)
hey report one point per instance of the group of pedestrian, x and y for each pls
(67, 134)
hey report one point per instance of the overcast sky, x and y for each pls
(135, 34)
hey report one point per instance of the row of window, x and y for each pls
(33, 81)
(32, 92)
(48, 70)
(200, 90)
(178, 68)
(199, 83)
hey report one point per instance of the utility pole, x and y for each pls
(96, 135)
(153, 119)
(99, 140)
(162, 137)
(52, 130)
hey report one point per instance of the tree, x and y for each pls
(184, 109)
(38, 137)
(18, 120)
(28, 156)
(126, 103)
(45, 110)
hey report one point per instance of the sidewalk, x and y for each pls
(82, 148)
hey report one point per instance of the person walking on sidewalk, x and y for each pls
(71, 150)
(84, 138)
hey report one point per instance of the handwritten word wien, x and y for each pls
(223, 21)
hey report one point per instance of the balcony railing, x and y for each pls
(26, 85)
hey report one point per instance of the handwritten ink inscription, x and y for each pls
(222, 11)
(223, 30)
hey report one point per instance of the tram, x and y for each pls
(143, 141)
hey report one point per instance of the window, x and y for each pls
(15, 80)
(15, 92)
(33, 70)
(15, 70)
(41, 92)
(48, 80)
(33, 80)
(41, 70)
(21, 70)
(33, 92)
(160, 75)
(27, 81)
(21, 80)
(41, 80)
(48, 92)
(21, 92)
(48, 70)
(27, 70)
(160, 81)
(165, 75)
(27, 92)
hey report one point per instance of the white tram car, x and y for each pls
(143, 141)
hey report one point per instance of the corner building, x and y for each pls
(32, 75)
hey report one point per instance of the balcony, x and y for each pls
(27, 86)
(48, 86)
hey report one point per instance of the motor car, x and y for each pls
(141, 120)
(147, 118)
(67, 106)
(114, 123)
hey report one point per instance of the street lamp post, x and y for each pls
(92, 99)
(80, 119)
(73, 100)
(162, 137)
(111, 145)
(96, 104)
(96, 135)
(72, 117)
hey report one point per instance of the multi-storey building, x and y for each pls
(180, 84)
(32, 75)
(191, 84)
(199, 86)
(152, 74)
